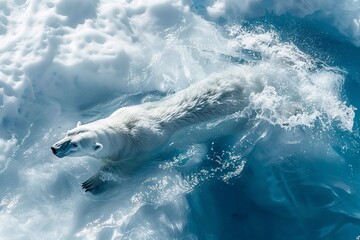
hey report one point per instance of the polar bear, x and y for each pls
(129, 132)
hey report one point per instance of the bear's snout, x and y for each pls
(54, 151)
(61, 148)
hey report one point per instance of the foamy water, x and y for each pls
(286, 167)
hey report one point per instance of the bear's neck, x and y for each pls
(113, 143)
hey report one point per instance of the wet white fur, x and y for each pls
(138, 129)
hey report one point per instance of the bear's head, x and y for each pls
(80, 141)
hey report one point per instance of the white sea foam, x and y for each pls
(300, 90)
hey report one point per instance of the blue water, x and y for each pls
(284, 169)
(303, 190)
(306, 189)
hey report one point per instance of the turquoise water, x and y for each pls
(300, 183)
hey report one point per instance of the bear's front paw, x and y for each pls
(92, 184)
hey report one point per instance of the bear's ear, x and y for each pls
(98, 147)
(78, 124)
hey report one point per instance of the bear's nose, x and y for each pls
(53, 150)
